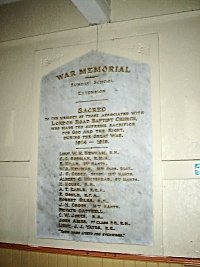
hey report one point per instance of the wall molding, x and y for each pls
(110, 255)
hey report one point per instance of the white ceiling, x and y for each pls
(95, 11)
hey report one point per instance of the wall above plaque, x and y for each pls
(95, 151)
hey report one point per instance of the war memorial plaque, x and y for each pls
(95, 151)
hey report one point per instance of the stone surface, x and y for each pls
(95, 151)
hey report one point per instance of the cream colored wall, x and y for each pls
(134, 9)
(170, 44)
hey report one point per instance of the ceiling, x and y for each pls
(95, 11)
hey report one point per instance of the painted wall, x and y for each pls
(16, 258)
(169, 44)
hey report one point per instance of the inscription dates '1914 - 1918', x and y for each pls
(95, 154)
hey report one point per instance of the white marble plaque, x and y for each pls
(95, 151)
